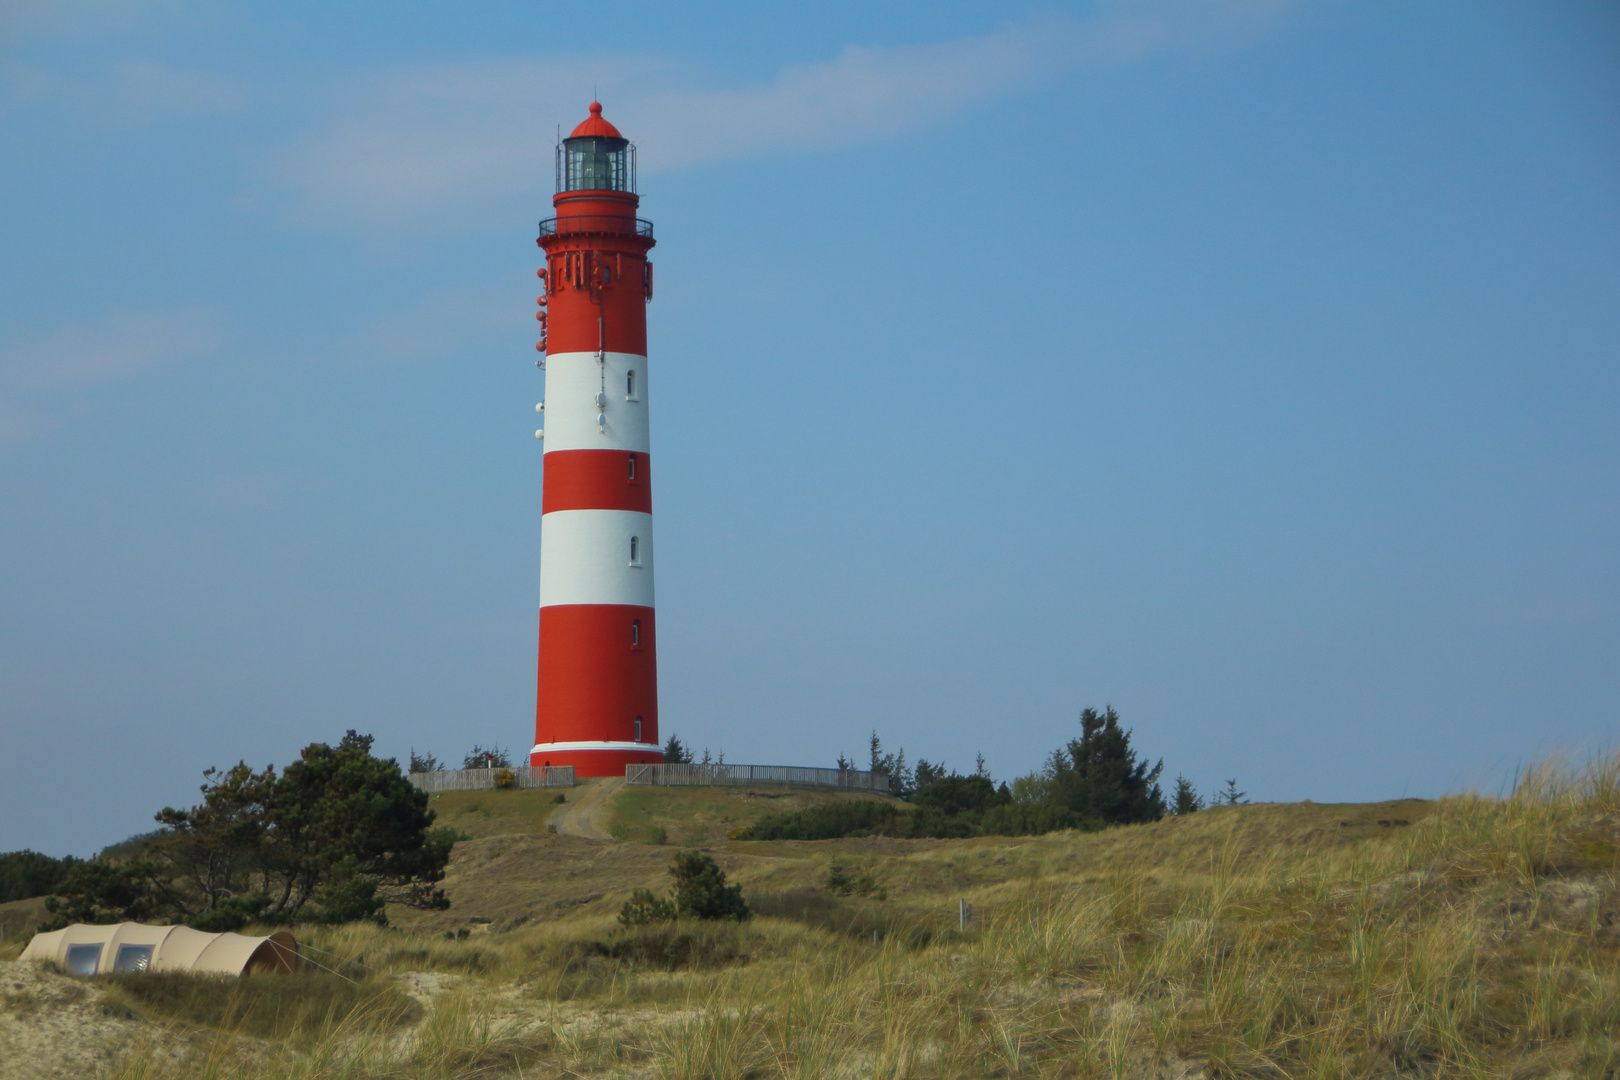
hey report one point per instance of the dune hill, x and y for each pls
(1467, 936)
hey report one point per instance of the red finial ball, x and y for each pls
(595, 125)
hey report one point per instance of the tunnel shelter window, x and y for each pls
(83, 959)
(133, 958)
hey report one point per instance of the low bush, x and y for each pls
(1033, 819)
(676, 948)
(866, 921)
(701, 890)
(644, 907)
(933, 820)
(825, 822)
(841, 881)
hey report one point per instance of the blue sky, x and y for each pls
(1248, 365)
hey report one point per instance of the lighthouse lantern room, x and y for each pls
(597, 701)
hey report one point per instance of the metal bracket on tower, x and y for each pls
(601, 367)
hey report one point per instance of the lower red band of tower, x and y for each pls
(597, 676)
(597, 480)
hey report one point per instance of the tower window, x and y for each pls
(630, 385)
(632, 467)
(638, 729)
(635, 632)
(635, 551)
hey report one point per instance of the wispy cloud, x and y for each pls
(125, 92)
(442, 324)
(36, 373)
(21, 20)
(437, 142)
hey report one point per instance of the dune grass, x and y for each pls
(1470, 937)
(282, 1007)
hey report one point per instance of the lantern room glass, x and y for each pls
(596, 163)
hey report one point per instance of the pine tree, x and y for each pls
(675, 753)
(1100, 776)
(486, 757)
(1187, 799)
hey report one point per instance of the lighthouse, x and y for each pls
(597, 702)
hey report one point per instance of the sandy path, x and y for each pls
(588, 808)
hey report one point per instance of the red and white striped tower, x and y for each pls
(597, 704)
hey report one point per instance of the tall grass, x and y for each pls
(1478, 941)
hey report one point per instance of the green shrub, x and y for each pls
(644, 908)
(701, 890)
(1032, 819)
(840, 881)
(829, 822)
(657, 835)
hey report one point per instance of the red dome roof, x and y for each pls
(595, 125)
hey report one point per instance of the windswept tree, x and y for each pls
(334, 838)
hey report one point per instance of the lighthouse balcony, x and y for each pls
(596, 225)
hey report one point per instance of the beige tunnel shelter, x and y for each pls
(83, 949)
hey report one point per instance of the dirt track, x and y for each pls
(588, 807)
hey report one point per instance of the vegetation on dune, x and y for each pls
(699, 892)
(25, 874)
(259, 1006)
(1095, 781)
(1471, 937)
(337, 836)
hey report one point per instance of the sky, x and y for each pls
(1252, 366)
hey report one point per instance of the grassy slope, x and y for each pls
(1466, 937)
(513, 871)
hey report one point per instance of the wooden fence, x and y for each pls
(746, 775)
(523, 776)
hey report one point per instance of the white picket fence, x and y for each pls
(523, 776)
(745, 775)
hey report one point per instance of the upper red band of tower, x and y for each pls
(596, 247)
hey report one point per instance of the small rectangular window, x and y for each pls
(635, 551)
(635, 632)
(630, 385)
(638, 729)
(632, 466)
